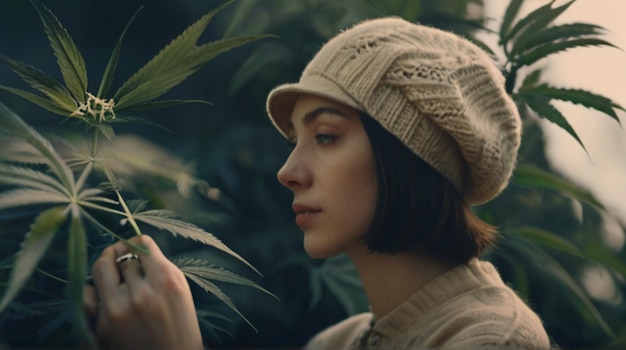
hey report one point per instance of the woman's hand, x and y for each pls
(141, 304)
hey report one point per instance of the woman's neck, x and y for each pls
(389, 280)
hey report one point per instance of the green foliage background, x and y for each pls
(545, 246)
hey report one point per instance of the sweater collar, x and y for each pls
(441, 289)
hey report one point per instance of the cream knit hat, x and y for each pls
(441, 95)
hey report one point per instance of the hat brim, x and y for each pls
(282, 99)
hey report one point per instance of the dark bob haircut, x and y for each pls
(417, 208)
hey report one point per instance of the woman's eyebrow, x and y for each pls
(312, 115)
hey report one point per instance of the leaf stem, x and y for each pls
(100, 207)
(107, 230)
(83, 176)
(95, 142)
(128, 214)
(51, 276)
(92, 159)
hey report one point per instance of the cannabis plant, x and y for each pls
(545, 244)
(76, 194)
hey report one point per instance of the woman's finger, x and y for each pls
(90, 298)
(130, 267)
(106, 275)
(154, 262)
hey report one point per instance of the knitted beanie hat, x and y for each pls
(439, 94)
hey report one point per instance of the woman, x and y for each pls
(397, 129)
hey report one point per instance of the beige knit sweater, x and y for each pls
(466, 307)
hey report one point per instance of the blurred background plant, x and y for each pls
(552, 231)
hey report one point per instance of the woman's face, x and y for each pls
(332, 175)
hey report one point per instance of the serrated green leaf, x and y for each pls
(87, 193)
(15, 149)
(509, 15)
(70, 60)
(215, 290)
(95, 199)
(531, 80)
(541, 105)
(527, 21)
(205, 269)
(539, 21)
(169, 57)
(33, 248)
(548, 49)
(42, 82)
(555, 34)
(109, 71)
(26, 177)
(578, 96)
(482, 45)
(531, 176)
(38, 100)
(146, 106)
(16, 126)
(11, 179)
(149, 83)
(77, 273)
(26, 196)
(164, 220)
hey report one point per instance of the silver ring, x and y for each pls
(126, 257)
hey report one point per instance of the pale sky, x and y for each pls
(600, 70)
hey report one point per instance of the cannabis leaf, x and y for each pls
(178, 60)
(166, 220)
(204, 273)
(534, 38)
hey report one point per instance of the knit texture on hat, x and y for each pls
(438, 93)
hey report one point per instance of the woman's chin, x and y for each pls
(316, 250)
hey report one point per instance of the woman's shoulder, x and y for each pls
(343, 334)
(494, 316)
(466, 307)
(484, 312)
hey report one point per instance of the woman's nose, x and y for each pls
(294, 174)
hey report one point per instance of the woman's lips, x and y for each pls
(305, 214)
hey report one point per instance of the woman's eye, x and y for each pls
(323, 139)
(291, 144)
